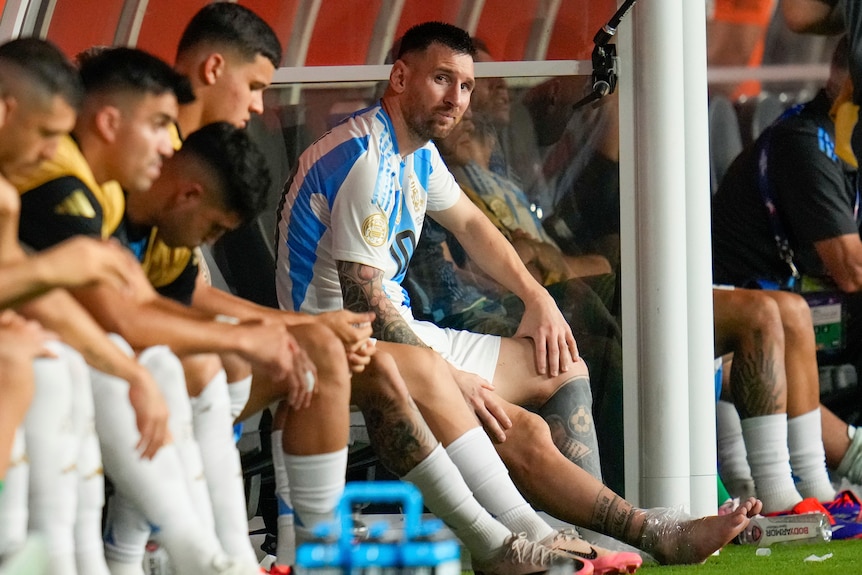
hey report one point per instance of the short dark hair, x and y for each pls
(419, 37)
(129, 69)
(229, 24)
(240, 166)
(45, 67)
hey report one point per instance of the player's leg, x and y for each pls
(213, 431)
(89, 549)
(748, 324)
(564, 490)
(157, 487)
(52, 448)
(804, 431)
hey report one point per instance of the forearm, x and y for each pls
(60, 312)
(22, 279)
(362, 290)
(161, 321)
(214, 301)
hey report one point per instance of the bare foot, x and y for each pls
(672, 541)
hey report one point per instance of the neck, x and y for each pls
(407, 143)
(189, 118)
(96, 156)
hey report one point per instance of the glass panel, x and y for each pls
(549, 178)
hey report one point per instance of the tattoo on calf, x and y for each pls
(400, 437)
(755, 387)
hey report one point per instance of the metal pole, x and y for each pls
(699, 263)
(660, 236)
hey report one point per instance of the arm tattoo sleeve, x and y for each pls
(362, 290)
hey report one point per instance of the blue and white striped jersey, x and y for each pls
(354, 198)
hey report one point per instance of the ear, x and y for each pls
(108, 120)
(189, 193)
(212, 68)
(398, 76)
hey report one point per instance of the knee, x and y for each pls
(527, 442)
(381, 380)
(326, 352)
(795, 315)
(199, 370)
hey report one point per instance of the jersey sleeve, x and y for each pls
(58, 210)
(443, 190)
(812, 188)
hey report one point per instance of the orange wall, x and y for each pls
(164, 23)
(341, 36)
(80, 24)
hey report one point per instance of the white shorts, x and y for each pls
(471, 352)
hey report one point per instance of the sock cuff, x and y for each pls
(427, 465)
(760, 422)
(465, 439)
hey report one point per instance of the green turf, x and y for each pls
(785, 559)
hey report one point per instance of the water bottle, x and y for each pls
(156, 561)
(805, 528)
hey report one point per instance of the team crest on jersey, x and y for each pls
(76, 205)
(375, 229)
(415, 195)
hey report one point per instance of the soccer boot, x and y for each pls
(846, 516)
(569, 543)
(520, 556)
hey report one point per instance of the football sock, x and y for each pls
(447, 496)
(732, 457)
(52, 448)
(316, 484)
(89, 549)
(807, 457)
(126, 535)
(286, 549)
(239, 392)
(13, 499)
(766, 442)
(486, 475)
(213, 429)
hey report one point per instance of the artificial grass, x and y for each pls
(785, 559)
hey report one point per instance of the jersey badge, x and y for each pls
(415, 195)
(375, 229)
(76, 205)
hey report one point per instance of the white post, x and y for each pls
(660, 237)
(699, 262)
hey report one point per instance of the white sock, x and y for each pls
(447, 496)
(126, 535)
(807, 457)
(213, 428)
(768, 456)
(239, 390)
(157, 487)
(486, 475)
(13, 499)
(732, 458)
(316, 484)
(851, 464)
(52, 448)
(285, 553)
(89, 549)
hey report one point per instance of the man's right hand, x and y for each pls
(151, 413)
(271, 348)
(479, 394)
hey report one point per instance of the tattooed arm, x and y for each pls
(362, 290)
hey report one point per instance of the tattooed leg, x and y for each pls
(398, 433)
(569, 414)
